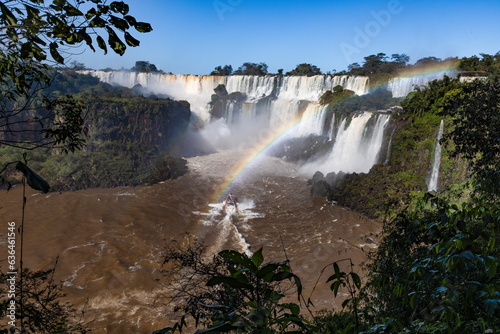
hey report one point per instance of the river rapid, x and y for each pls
(109, 241)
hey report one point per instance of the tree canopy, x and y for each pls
(144, 66)
(219, 70)
(486, 63)
(379, 64)
(252, 69)
(305, 69)
(475, 112)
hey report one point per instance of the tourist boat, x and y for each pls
(231, 204)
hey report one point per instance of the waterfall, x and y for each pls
(356, 147)
(331, 130)
(286, 92)
(375, 141)
(401, 86)
(197, 90)
(254, 87)
(273, 102)
(313, 120)
(433, 181)
(388, 155)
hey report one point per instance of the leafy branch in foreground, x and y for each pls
(34, 34)
(352, 282)
(252, 297)
(43, 310)
(475, 113)
(436, 270)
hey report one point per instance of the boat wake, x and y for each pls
(222, 227)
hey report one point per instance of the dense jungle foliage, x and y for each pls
(403, 176)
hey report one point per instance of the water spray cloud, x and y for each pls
(272, 137)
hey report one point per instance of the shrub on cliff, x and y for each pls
(252, 69)
(305, 70)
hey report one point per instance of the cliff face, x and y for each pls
(127, 144)
(392, 184)
(152, 123)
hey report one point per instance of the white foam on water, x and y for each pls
(68, 281)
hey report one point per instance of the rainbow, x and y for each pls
(449, 68)
(255, 152)
(425, 70)
(246, 162)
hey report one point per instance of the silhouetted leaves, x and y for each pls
(50, 30)
(34, 180)
(246, 294)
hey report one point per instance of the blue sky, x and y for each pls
(194, 36)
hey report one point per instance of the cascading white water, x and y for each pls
(354, 150)
(389, 146)
(254, 87)
(356, 147)
(293, 90)
(198, 89)
(433, 181)
(331, 131)
(375, 141)
(313, 120)
(401, 86)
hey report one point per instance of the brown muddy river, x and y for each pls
(109, 241)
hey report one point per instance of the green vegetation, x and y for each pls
(145, 67)
(128, 137)
(489, 64)
(378, 67)
(403, 179)
(219, 70)
(474, 111)
(345, 103)
(336, 96)
(242, 294)
(436, 267)
(436, 270)
(378, 64)
(251, 69)
(35, 34)
(305, 69)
